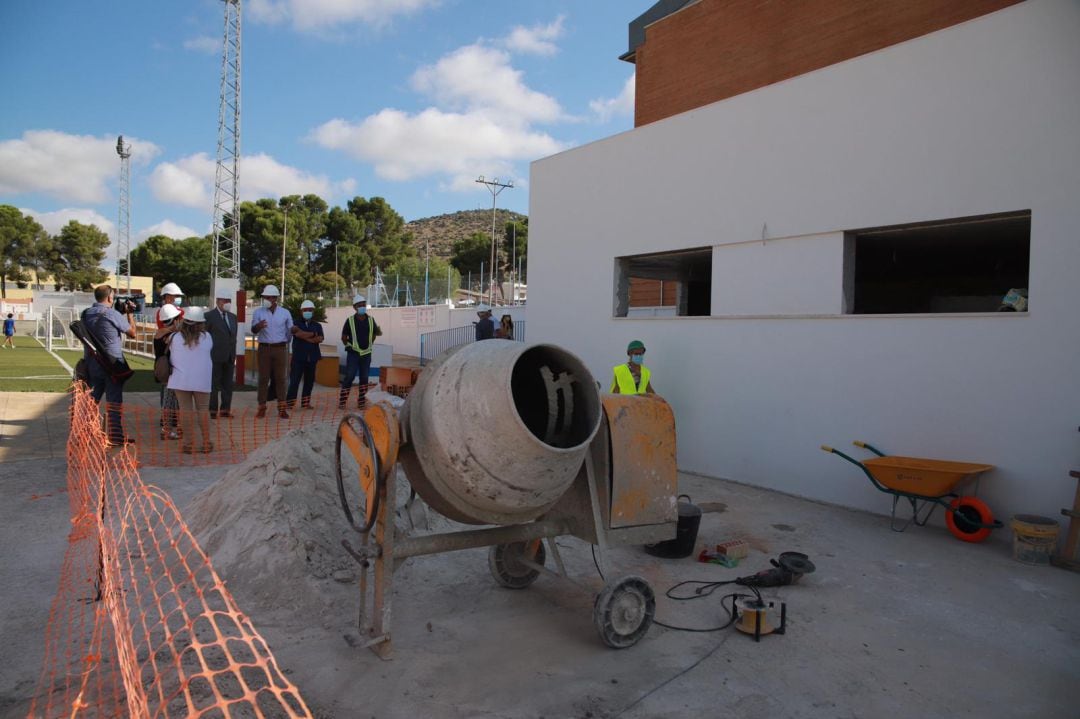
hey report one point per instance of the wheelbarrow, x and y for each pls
(928, 484)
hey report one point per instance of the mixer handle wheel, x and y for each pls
(624, 611)
(357, 437)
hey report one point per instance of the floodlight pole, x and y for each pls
(336, 300)
(427, 266)
(284, 239)
(495, 187)
(123, 233)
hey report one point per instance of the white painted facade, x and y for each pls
(980, 118)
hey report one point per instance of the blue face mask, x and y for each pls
(637, 359)
(308, 315)
(177, 301)
(361, 310)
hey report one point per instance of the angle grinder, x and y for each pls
(787, 569)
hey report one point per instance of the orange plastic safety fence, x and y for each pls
(142, 625)
(169, 439)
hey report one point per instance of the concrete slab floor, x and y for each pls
(912, 624)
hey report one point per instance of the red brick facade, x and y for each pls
(720, 48)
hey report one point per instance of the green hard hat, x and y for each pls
(635, 345)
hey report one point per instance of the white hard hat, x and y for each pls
(194, 314)
(223, 293)
(482, 308)
(168, 313)
(307, 305)
(270, 291)
(171, 289)
(358, 299)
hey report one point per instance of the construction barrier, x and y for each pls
(231, 439)
(142, 625)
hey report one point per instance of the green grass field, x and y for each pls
(141, 381)
(29, 368)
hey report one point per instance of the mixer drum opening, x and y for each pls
(554, 397)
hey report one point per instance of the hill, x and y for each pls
(444, 230)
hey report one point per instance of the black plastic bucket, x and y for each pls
(686, 535)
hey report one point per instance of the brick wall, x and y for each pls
(720, 48)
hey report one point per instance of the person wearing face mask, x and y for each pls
(307, 336)
(221, 323)
(272, 324)
(358, 335)
(170, 295)
(633, 377)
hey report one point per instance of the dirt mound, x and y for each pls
(273, 526)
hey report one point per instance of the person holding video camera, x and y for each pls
(109, 327)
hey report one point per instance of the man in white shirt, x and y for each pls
(273, 326)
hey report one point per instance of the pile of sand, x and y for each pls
(273, 526)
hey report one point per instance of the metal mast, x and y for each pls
(225, 260)
(123, 232)
(495, 187)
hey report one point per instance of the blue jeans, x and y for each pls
(301, 369)
(102, 384)
(355, 365)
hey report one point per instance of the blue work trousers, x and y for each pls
(101, 384)
(301, 369)
(355, 365)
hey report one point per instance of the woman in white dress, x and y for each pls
(192, 374)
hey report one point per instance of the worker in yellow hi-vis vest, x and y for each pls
(358, 335)
(633, 377)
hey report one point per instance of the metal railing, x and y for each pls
(433, 344)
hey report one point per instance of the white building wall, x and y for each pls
(976, 119)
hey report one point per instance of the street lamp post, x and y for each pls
(284, 240)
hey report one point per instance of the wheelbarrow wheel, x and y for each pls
(508, 571)
(623, 611)
(967, 519)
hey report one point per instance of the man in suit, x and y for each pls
(221, 323)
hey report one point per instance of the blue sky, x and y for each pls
(410, 100)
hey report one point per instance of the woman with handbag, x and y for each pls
(192, 377)
(167, 317)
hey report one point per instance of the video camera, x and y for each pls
(129, 303)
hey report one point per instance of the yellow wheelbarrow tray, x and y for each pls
(927, 484)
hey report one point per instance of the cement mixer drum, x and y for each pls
(498, 430)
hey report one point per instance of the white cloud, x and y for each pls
(320, 14)
(536, 40)
(621, 104)
(404, 146)
(479, 79)
(190, 180)
(54, 221)
(80, 168)
(204, 43)
(167, 228)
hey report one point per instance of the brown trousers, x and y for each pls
(273, 367)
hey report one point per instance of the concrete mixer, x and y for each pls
(517, 438)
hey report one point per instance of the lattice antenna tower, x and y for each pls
(225, 260)
(123, 232)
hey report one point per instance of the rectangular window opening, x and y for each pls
(664, 284)
(969, 264)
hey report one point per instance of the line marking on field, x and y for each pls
(58, 358)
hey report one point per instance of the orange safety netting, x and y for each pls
(231, 439)
(141, 624)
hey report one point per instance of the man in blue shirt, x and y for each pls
(307, 336)
(109, 327)
(273, 325)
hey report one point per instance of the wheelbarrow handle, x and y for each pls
(860, 465)
(869, 447)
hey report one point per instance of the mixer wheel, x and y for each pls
(508, 571)
(624, 611)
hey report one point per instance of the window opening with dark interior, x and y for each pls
(969, 264)
(680, 282)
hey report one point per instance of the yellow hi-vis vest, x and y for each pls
(355, 344)
(624, 381)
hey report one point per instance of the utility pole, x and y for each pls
(123, 232)
(513, 264)
(495, 187)
(225, 258)
(427, 266)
